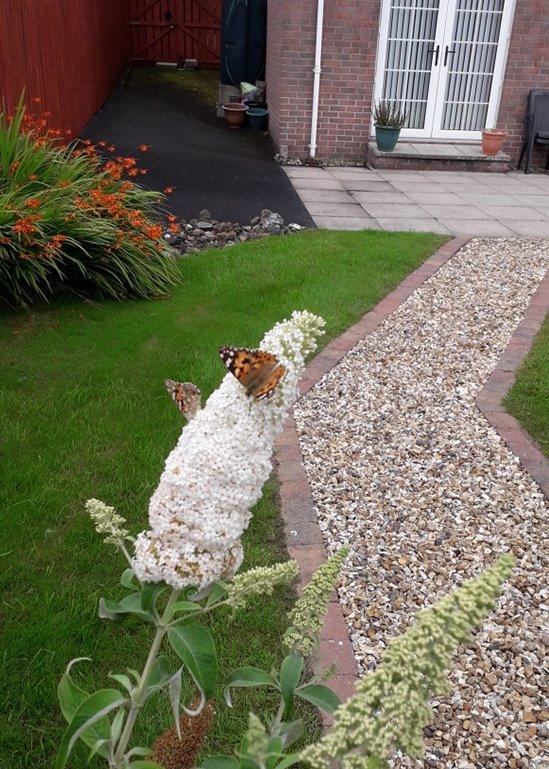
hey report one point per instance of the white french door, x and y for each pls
(443, 60)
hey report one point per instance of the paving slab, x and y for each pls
(335, 209)
(529, 229)
(320, 182)
(482, 227)
(367, 185)
(523, 213)
(346, 223)
(413, 225)
(373, 196)
(396, 211)
(488, 199)
(326, 196)
(455, 212)
(434, 198)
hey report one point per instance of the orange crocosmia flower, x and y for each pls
(37, 99)
(144, 147)
(33, 177)
(26, 224)
(102, 144)
(126, 186)
(57, 241)
(168, 190)
(33, 203)
(4, 240)
(172, 218)
(143, 171)
(47, 114)
(14, 166)
(64, 183)
(154, 231)
(133, 171)
(111, 148)
(175, 228)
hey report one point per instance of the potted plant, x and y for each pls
(389, 118)
(235, 113)
(492, 140)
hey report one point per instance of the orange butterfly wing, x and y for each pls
(258, 371)
(185, 395)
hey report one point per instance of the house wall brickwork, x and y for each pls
(527, 67)
(348, 69)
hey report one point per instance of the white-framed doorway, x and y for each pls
(444, 60)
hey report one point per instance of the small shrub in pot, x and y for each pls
(389, 118)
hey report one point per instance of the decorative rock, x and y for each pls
(206, 232)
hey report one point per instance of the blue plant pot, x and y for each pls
(257, 117)
(386, 138)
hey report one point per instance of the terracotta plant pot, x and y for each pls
(492, 141)
(235, 114)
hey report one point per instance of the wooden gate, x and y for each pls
(175, 30)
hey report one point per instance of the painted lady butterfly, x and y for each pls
(258, 371)
(186, 397)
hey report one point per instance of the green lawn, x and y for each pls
(528, 399)
(84, 413)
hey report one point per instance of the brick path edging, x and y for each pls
(303, 535)
(502, 378)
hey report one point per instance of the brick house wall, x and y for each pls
(527, 67)
(348, 70)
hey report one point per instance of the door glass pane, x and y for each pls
(471, 64)
(411, 36)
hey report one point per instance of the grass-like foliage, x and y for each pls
(70, 220)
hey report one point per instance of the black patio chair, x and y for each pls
(536, 129)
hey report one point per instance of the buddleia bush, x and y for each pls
(69, 219)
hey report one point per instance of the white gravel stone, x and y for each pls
(405, 469)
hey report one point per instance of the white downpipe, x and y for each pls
(316, 75)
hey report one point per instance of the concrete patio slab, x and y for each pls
(396, 211)
(482, 227)
(336, 209)
(463, 203)
(413, 225)
(346, 223)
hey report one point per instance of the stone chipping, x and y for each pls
(404, 467)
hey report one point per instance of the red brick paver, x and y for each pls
(303, 535)
(502, 378)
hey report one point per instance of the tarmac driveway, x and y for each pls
(229, 172)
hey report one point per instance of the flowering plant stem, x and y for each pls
(137, 698)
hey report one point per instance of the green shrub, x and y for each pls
(69, 219)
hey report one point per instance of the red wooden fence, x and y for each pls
(70, 53)
(175, 30)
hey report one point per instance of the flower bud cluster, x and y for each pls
(390, 708)
(307, 616)
(260, 581)
(107, 521)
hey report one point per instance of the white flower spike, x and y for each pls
(216, 472)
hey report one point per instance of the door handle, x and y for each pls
(447, 51)
(436, 51)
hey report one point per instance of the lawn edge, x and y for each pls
(490, 399)
(304, 537)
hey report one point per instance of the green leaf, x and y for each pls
(245, 677)
(127, 579)
(321, 696)
(182, 606)
(290, 673)
(291, 731)
(290, 760)
(123, 681)
(71, 697)
(145, 765)
(219, 590)
(138, 752)
(195, 646)
(275, 749)
(160, 673)
(92, 710)
(116, 726)
(131, 604)
(150, 593)
(219, 762)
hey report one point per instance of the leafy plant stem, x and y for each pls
(161, 630)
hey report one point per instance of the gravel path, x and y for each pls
(403, 466)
